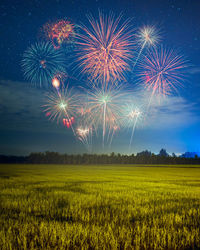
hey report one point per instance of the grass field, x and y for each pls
(99, 207)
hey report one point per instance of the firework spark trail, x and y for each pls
(105, 49)
(110, 137)
(84, 134)
(104, 121)
(131, 115)
(84, 129)
(139, 54)
(132, 133)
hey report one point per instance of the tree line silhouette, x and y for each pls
(144, 157)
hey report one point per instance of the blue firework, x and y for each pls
(41, 62)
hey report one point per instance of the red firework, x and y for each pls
(105, 48)
(59, 32)
(162, 71)
(68, 122)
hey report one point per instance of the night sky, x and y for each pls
(24, 127)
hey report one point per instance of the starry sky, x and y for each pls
(23, 126)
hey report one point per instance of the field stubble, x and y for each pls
(99, 207)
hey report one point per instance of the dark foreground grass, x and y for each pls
(99, 207)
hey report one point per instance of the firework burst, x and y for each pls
(59, 32)
(41, 62)
(105, 49)
(105, 109)
(131, 115)
(162, 71)
(147, 36)
(84, 134)
(62, 106)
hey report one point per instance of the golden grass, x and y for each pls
(99, 207)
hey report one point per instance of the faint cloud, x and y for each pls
(173, 111)
(21, 108)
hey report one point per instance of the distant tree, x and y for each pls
(144, 157)
(144, 153)
(163, 152)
